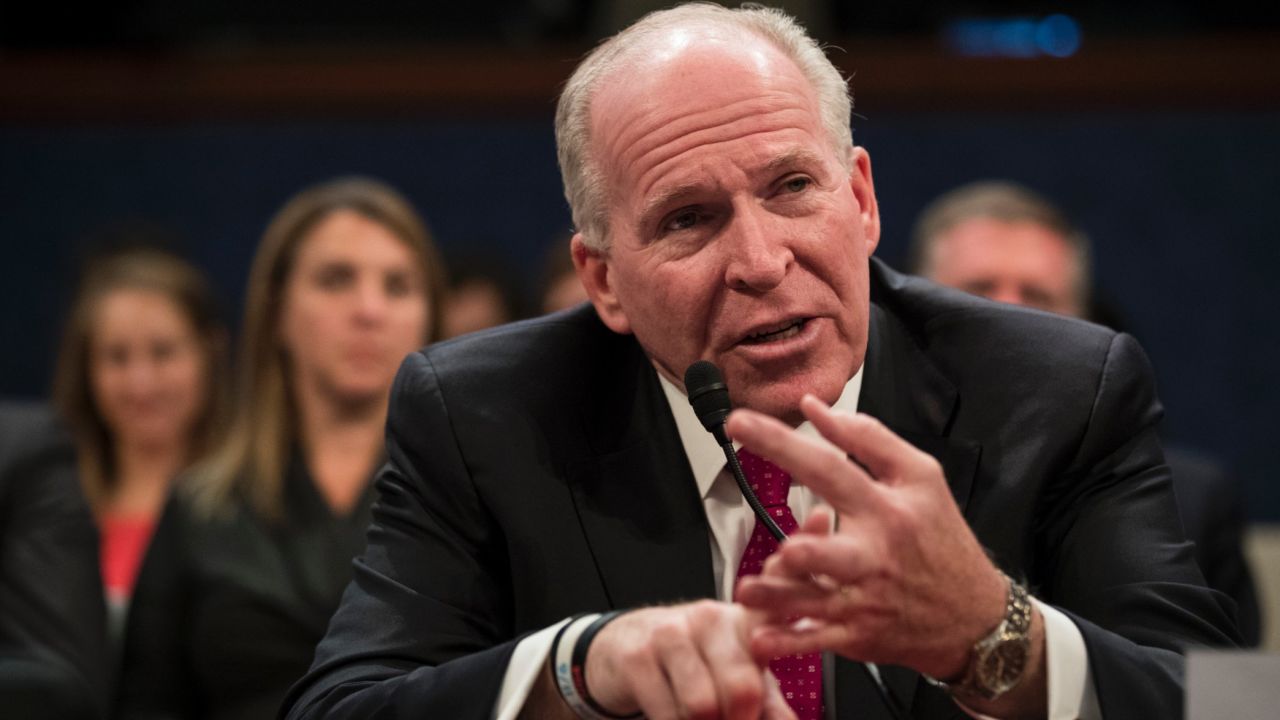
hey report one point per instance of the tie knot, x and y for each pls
(770, 482)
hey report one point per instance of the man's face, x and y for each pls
(736, 234)
(1022, 263)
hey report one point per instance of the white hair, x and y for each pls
(584, 181)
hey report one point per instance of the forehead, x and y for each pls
(347, 235)
(693, 91)
(982, 242)
(137, 311)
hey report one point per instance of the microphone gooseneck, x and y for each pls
(709, 397)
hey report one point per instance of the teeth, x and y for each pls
(779, 334)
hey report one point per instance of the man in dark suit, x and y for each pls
(53, 661)
(554, 467)
(1006, 242)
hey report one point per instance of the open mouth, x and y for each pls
(789, 329)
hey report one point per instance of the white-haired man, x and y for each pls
(555, 468)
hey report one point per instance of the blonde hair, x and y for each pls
(151, 270)
(251, 464)
(584, 181)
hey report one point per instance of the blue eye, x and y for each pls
(682, 220)
(797, 184)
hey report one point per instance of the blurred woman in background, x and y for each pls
(251, 557)
(139, 373)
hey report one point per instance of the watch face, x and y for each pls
(1001, 668)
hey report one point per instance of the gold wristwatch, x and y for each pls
(999, 660)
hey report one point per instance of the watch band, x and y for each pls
(999, 660)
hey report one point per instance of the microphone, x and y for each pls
(709, 397)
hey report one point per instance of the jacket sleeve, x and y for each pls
(424, 628)
(53, 660)
(1118, 561)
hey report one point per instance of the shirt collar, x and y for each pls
(706, 459)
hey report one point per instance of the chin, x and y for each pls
(358, 392)
(779, 402)
(781, 399)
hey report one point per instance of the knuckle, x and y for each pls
(704, 612)
(901, 517)
(742, 691)
(801, 555)
(668, 633)
(702, 706)
(636, 656)
(929, 465)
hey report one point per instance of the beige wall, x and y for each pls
(1262, 547)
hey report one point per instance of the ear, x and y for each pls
(593, 268)
(865, 191)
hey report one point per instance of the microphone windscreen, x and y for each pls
(708, 394)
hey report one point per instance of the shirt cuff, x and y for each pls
(1071, 691)
(529, 659)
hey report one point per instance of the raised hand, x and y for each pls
(901, 580)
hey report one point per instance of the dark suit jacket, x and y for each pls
(534, 472)
(53, 660)
(1212, 511)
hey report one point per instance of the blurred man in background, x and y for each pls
(1004, 242)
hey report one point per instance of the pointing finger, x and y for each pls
(810, 461)
(865, 438)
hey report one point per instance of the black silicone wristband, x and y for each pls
(579, 663)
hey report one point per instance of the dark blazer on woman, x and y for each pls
(53, 656)
(228, 609)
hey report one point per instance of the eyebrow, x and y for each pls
(790, 159)
(796, 157)
(667, 197)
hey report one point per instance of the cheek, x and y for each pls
(667, 296)
(409, 325)
(105, 387)
(190, 381)
(303, 327)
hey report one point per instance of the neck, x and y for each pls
(341, 443)
(143, 474)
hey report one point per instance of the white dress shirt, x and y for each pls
(1070, 685)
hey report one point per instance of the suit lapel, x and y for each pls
(637, 500)
(903, 389)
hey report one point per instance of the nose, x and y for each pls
(371, 301)
(1007, 293)
(141, 373)
(758, 257)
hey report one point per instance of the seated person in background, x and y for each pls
(555, 467)
(481, 295)
(53, 660)
(1004, 242)
(253, 550)
(141, 384)
(561, 288)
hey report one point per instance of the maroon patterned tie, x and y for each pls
(799, 676)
